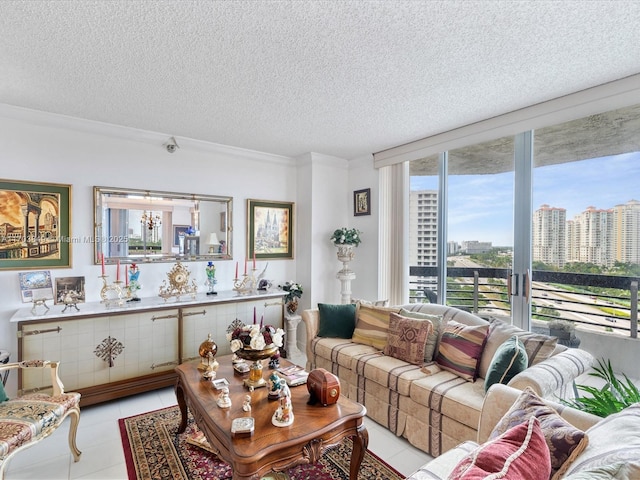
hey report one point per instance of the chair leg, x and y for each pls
(74, 413)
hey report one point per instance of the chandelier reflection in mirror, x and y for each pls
(146, 225)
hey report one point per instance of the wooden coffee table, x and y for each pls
(269, 448)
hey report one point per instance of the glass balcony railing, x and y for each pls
(596, 302)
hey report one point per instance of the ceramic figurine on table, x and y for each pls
(246, 405)
(283, 416)
(275, 386)
(274, 361)
(224, 401)
(134, 283)
(211, 278)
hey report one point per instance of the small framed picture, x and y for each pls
(36, 286)
(362, 202)
(69, 290)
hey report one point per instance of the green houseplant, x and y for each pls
(346, 236)
(614, 396)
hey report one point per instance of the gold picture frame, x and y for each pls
(270, 229)
(36, 219)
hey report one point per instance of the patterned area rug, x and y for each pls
(154, 451)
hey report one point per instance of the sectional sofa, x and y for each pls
(582, 446)
(435, 402)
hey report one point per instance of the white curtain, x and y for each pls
(393, 268)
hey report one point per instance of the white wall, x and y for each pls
(39, 147)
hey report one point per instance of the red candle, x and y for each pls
(102, 260)
(254, 260)
(236, 270)
(126, 277)
(254, 315)
(118, 272)
(261, 320)
(245, 266)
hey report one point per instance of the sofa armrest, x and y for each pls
(311, 320)
(554, 377)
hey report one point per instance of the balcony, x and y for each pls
(604, 308)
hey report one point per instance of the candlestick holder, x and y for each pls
(247, 284)
(111, 293)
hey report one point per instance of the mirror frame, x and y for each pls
(157, 195)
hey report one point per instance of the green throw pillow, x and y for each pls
(509, 360)
(3, 394)
(337, 321)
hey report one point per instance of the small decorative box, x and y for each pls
(242, 426)
(323, 386)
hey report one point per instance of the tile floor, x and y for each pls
(102, 454)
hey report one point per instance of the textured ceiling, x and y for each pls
(343, 78)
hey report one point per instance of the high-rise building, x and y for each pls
(592, 237)
(549, 235)
(423, 227)
(626, 225)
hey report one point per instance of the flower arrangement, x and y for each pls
(293, 289)
(346, 236)
(255, 337)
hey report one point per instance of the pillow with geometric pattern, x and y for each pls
(407, 338)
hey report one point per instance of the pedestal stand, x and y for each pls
(345, 255)
(292, 321)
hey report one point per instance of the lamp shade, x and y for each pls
(213, 239)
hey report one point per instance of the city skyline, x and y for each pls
(481, 206)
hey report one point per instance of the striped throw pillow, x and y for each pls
(372, 325)
(461, 347)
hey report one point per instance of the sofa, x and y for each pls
(429, 402)
(582, 446)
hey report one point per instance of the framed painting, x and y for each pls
(35, 285)
(35, 225)
(177, 231)
(269, 229)
(69, 290)
(362, 202)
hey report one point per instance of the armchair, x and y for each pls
(30, 418)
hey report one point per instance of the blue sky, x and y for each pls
(481, 206)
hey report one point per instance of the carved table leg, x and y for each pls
(360, 444)
(183, 407)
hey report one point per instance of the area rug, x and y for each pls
(153, 450)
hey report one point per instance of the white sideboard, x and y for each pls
(108, 353)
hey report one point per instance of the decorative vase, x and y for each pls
(292, 306)
(345, 255)
(255, 379)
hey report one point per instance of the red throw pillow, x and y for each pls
(519, 453)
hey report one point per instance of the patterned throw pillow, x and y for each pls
(407, 338)
(613, 439)
(461, 347)
(432, 339)
(372, 325)
(565, 441)
(520, 453)
(509, 360)
(336, 321)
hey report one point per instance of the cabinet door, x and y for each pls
(216, 319)
(139, 344)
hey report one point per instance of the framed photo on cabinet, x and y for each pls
(36, 225)
(269, 229)
(362, 202)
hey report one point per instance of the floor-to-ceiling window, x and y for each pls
(581, 221)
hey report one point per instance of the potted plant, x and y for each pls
(346, 236)
(294, 292)
(564, 330)
(614, 396)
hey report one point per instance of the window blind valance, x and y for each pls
(609, 96)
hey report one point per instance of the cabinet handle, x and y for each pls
(162, 317)
(188, 314)
(165, 364)
(24, 333)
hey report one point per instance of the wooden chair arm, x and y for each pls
(56, 383)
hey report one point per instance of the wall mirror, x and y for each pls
(153, 226)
